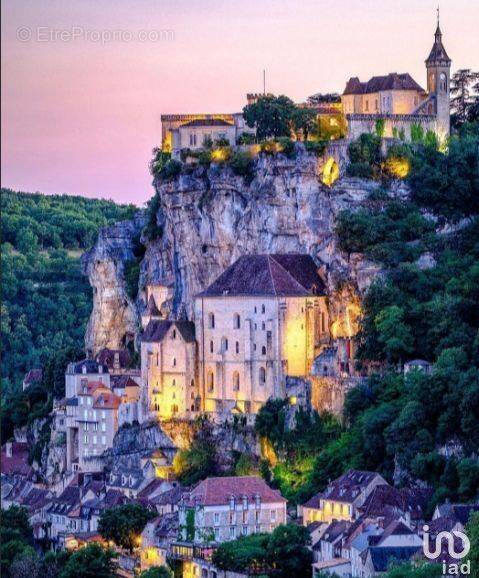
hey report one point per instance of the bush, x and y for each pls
(222, 142)
(287, 147)
(159, 160)
(361, 170)
(171, 169)
(204, 157)
(314, 146)
(246, 139)
(242, 164)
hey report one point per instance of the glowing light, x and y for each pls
(398, 167)
(330, 172)
(293, 400)
(346, 325)
(220, 155)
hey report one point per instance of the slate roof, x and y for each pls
(458, 512)
(280, 275)
(382, 558)
(219, 491)
(384, 500)
(344, 489)
(438, 52)
(333, 532)
(122, 381)
(206, 122)
(391, 81)
(151, 308)
(91, 365)
(156, 330)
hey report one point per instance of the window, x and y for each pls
(85, 413)
(256, 516)
(81, 400)
(95, 439)
(95, 426)
(94, 414)
(173, 382)
(103, 440)
(236, 321)
(217, 533)
(212, 346)
(224, 344)
(232, 518)
(262, 375)
(256, 309)
(211, 320)
(263, 350)
(245, 530)
(174, 334)
(211, 381)
(85, 439)
(192, 140)
(376, 104)
(273, 515)
(236, 381)
(237, 347)
(89, 400)
(232, 532)
(263, 326)
(174, 361)
(103, 426)
(367, 106)
(263, 308)
(217, 519)
(85, 427)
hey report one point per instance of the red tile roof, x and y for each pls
(218, 491)
(106, 400)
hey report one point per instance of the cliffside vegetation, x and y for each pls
(414, 426)
(46, 297)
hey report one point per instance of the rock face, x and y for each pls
(210, 217)
(114, 314)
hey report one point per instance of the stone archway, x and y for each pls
(330, 172)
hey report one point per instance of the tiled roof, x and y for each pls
(385, 499)
(172, 497)
(107, 357)
(458, 512)
(392, 81)
(33, 376)
(17, 463)
(335, 530)
(268, 275)
(206, 122)
(90, 365)
(106, 400)
(344, 489)
(219, 491)
(156, 330)
(122, 381)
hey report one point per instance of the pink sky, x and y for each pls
(81, 116)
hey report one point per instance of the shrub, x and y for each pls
(204, 157)
(222, 142)
(158, 161)
(314, 146)
(208, 142)
(246, 139)
(380, 127)
(362, 170)
(287, 147)
(171, 169)
(242, 164)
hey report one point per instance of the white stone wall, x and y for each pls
(193, 137)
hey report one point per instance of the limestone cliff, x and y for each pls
(208, 218)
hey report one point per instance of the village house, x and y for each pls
(222, 509)
(342, 498)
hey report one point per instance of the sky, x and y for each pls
(84, 82)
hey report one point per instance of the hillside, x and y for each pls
(46, 297)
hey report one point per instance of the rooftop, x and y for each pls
(280, 275)
(156, 330)
(391, 81)
(206, 122)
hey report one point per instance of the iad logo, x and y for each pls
(453, 568)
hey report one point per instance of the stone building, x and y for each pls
(168, 365)
(400, 101)
(263, 319)
(222, 509)
(80, 373)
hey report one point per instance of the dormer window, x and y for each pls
(232, 503)
(245, 502)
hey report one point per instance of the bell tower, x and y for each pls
(438, 65)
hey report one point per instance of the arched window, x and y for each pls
(443, 82)
(236, 381)
(237, 347)
(262, 375)
(263, 350)
(263, 308)
(236, 321)
(211, 381)
(211, 320)
(211, 346)
(224, 344)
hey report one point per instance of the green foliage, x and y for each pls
(152, 229)
(124, 524)
(421, 571)
(380, 127)
(92, 561)
(287, 147)
(16, 537)
(222, 142)
(246, 138)
(243, 466)
(242, 164)
(314, 146)
(46, 296)
(366, 149)
(303, 121)
(158, 161)
(270, 115)
(472, 531)
(170, 170)
(284, 552)
(200, 460)
(417, 133)
(156, 572)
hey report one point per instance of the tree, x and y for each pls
(124, 524)
(461, 102)
(156, 572)
(271, 115)
(394, 333)
(92, 561)
(303, 121)
(409, 571)
(287, 551)
(472, 532)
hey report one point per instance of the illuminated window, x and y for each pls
(211, 381)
